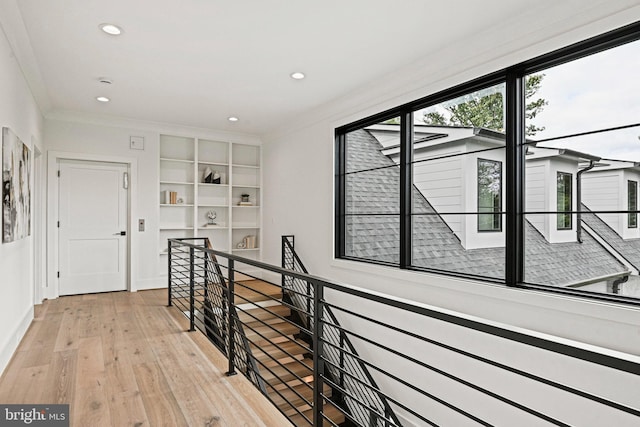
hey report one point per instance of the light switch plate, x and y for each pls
(137, 142)
(141, 224)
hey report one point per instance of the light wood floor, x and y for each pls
(124, 359)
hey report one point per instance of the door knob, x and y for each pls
(122, 233)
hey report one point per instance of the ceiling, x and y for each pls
(197, 62)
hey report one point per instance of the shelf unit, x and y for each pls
(183, 162)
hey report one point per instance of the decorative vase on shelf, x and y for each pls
(207, 177)
(216, 178)
(211, 217)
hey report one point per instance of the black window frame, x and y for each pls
(496, 212)
(514, 167)
(564, 219)
(632, 216)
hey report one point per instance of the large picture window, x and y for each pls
(563, 200)
(632, 204)
(489, 195)
(516, 177)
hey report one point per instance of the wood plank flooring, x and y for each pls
(124, 359)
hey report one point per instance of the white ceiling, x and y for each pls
(197, 62)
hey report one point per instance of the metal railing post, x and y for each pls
(231, 334)
(342, 359)
(206, 257)
(169, 277)
(318, 364)
(283, 254)
(192, 294)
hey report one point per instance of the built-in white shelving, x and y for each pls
(183, 162)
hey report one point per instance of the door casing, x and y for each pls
(52, 289)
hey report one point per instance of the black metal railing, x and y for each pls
(349, 373)
(432, 367)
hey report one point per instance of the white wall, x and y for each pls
(90, 139)
(91, 136)
(299, 183)
(19, 112)
(299, 200)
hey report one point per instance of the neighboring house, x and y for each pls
(372, 204)
(612, 185)
(442, 156)
(552, 185)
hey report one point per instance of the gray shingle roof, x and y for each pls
(629, 249)
(376, 237)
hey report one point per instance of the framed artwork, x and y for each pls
(16, 187)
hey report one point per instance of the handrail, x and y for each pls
(535, 341)
(329, 339)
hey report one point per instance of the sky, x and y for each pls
(596, 92)
(592, 93)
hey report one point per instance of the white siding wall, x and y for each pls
(535, 194)
(440, 181)
(601, 191)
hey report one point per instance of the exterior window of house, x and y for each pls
(564, 200)
(632, 204)
(372, 195)
(489, 195)
(404, 180)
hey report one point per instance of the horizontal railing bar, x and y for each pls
(284, 383)
(533, 377)
(364, 406)
(372, 391)
(322, 414)
(277, 346)
(307, 349)
(406, 384)
(368, 408)
(239, 283)
(208, 330)
(284, 303)
(283, 398)
(291, 322)
(301, 280)
(282, 366)
(533, 341)
(455, 378)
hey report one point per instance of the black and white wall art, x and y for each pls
(16, 187)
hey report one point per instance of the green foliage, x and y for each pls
(487, 111)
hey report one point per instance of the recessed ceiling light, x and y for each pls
(297, 75)
(103, 99)
(233, 119)
(111, 29)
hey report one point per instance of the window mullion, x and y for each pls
(340, 167)
(514, 178)
(406, 184)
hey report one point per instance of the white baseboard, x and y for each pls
(15, 336)
(155, 283)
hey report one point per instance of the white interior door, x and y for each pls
(93, 227)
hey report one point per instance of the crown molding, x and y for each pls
(16, 33)
(160, 127)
